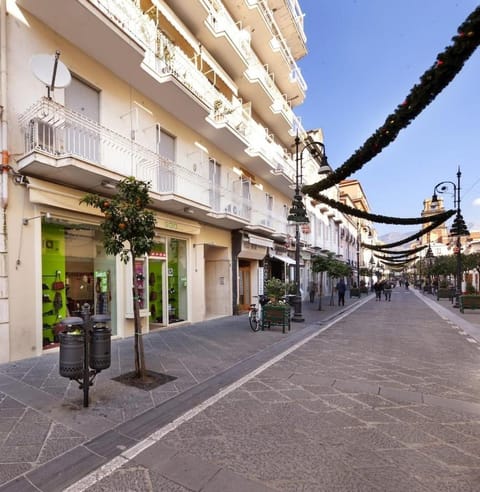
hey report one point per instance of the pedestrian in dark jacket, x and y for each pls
(378, 287)
(387, 289)
(341, 288)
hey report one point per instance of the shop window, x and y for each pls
(177, 280)
(73, 255)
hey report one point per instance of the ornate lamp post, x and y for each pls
(358, 257)
(458, 229)
(298, 213)
(429, 256)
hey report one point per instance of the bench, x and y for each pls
(276, 315)
(469, 302)
(445, 293)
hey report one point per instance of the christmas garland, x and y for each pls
(397, 265)
(392, 261)
(432, 82)
(408, 239)
(398, 254)
(346, 209)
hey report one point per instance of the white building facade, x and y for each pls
(194, 97)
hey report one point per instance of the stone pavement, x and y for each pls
(43, 424)
(376, 396)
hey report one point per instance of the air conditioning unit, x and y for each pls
(231, 209)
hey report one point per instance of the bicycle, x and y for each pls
(255, 312)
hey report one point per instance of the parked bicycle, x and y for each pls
(255, 312)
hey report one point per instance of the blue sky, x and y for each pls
(364, 56)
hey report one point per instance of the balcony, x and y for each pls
(289, 18)
(230, 45)
(127, 42)
(272, 47)
(64, 147)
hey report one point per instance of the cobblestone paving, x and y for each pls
(42, 415)
(388, 399)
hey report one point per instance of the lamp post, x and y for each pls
(372, 265)
(358, 257)
(458, 229)
(298, 213)
(429, 255)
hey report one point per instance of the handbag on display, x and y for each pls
(58, 283)
(151, 278)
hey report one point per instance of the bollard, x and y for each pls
(100, 343)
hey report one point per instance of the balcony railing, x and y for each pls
(165, 58)
(129, 18)
(57, 131)
(280, 42)
(220, 21)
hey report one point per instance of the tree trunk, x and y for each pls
(138, 347)
(320, 292)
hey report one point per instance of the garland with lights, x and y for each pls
(432, 82)
(346, 209)
(398, 254)
(397, 265)
(408, 239)
(392, 261)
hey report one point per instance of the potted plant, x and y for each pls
(277, 311)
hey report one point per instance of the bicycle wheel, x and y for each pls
(253, 319)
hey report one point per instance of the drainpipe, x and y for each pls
(3, 104)
(4, 294)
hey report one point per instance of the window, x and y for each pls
(166, 151)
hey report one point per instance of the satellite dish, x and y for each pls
(51, 71)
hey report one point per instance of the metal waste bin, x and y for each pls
(71, 349)
(100, 342)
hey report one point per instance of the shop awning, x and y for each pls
(285, 259)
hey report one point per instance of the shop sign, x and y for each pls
(158, 254)
(171, 225)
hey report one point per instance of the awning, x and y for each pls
(285, 259)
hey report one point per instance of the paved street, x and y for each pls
(374, 396)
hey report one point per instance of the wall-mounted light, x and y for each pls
(26, 220)
(201, 147)
(108, 184)
(189, 210)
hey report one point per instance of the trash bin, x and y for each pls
(71, 348)
(100, 342)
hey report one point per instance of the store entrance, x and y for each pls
(244, 289)
(75, 271)
(156, 305)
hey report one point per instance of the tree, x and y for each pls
(128, 231)
(334, 269)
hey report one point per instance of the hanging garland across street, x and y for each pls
(393, 261)
(432, 82)
(413, 237)
(397, 265)
(399, 254)
(342, 207)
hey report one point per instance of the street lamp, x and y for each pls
(358, 257)
(428, 256)
(458, 228)
(298, 213)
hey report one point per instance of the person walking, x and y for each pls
(341, 288)
(312, 290)
(378, 287)
(388, 291)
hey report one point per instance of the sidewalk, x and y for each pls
(42, 419)
(386, 399)
(370, 397)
